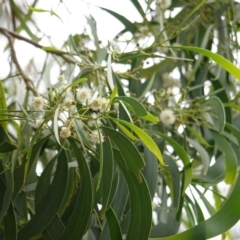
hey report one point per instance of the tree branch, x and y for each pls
(29, 82)
(8, 33)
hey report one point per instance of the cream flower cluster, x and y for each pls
(167, 117)
(74, 104)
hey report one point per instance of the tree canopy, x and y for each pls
(130, 138)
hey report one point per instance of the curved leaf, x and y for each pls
(147, 140)
(140, 200)
(229, 156)
(219, 223)
(223, 62)
(131, 155)
(80, 218)
(184, 157)
(50, 204)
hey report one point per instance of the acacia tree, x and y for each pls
(129, 154)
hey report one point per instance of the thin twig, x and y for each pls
(37, 45)
(29, 82)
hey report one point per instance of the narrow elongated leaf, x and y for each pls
(223, 62)
(80, 218)
(220, 222)
(3, 107)
(50, 204)
(44, 183)
(128, 25)
(114, 227)
(150, 172)
(7, 146)
(202, 153)
(174, 181)
(55, 124)
(55, 229)
(7, 196)
(140, 200)
(183, 156)
(229, 156)
(107, 176)
(109, 72)
(136, 106)
(10, 225)
(131, 155)
(126, 131)
(220, 120)
(147, 140)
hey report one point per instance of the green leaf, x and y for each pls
(222, 221)
(114, 226)
(75, 83)
(7, 147)
(40, 10)
(55, 124)
(223, 62)
(55, 229)
(147, 140)
(137, 108)
(5, 142)
(183, 156)
(131, 155)
(202, 153)
(80, 218)
(138, 7)
(10, 225)
(50, 204)
(53, 50)
(219, 121)
(109, 72)
(140, 200)
(44, 183)
(229, 156)
(3, 107)
(126, 131)
(107, 176)
(128, 25)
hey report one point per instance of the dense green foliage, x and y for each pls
(137, 153)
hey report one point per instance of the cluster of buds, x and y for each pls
(73, 104)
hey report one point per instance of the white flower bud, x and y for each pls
(83, 94)
(38, 103)
(99, 104)
(39, 122)
(95, 137)
(68, 102)
(61, 78)
(65, 132)
(167, 117)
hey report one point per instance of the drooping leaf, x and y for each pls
(129, 152)
(220, 222)
(183, 156)
(128, 25)
(218, 108)
(3, 107)
(146, 139)
(141, 208)
(114, 226)
(50, 204)
(107, 178)
(80, 218)
(137, 108)
(10, 224)
(229, 155)
(202, 153)
(223, 62)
